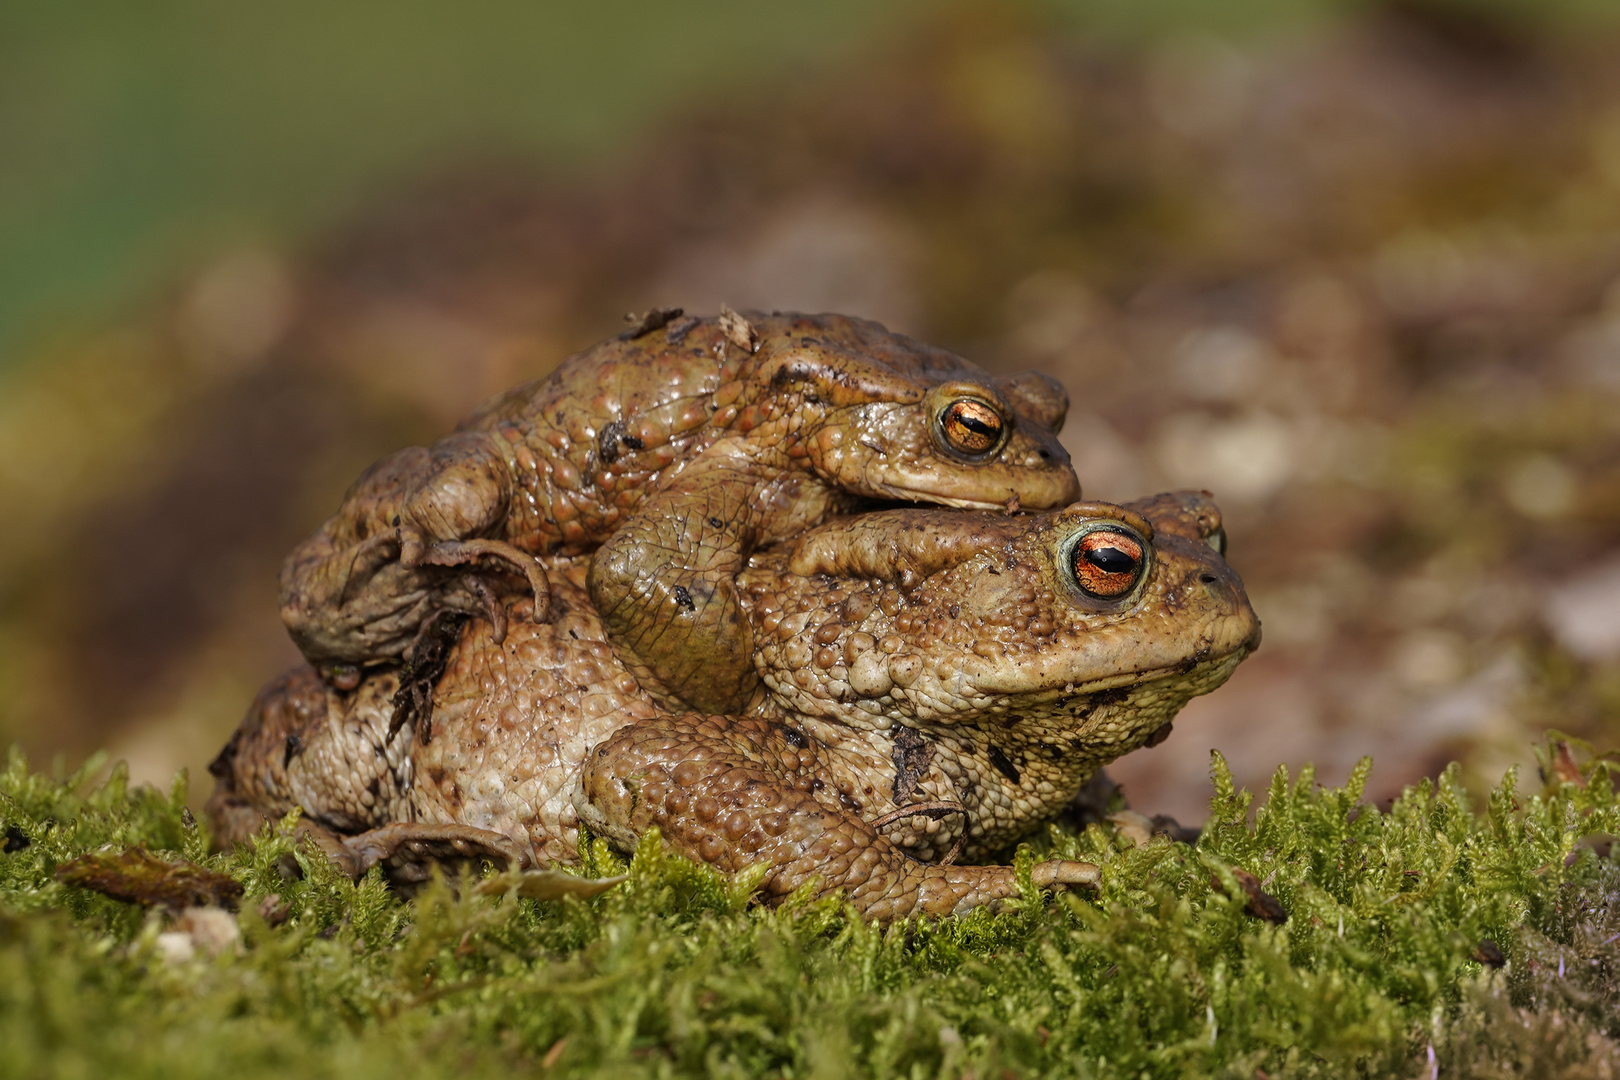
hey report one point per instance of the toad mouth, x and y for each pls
(900, 501)
(1131, 679)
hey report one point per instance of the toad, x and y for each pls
(679, 447)
(937, 684)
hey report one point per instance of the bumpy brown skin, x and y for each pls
(734, 791)
(936, 683)
(679, 449)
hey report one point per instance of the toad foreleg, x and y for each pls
(665, 586)
(400, 548)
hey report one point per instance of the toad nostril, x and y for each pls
(1208, 579)
(1046, 455)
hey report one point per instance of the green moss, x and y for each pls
(1164, 972)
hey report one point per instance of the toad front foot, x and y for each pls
(735, 792)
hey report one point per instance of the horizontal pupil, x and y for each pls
(974, 424)
(1110, 560)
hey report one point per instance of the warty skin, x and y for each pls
(936, 685)
(676, 449)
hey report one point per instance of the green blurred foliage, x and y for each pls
(132, 139)
(135, 140)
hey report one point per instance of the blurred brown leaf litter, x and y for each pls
(1363, 284)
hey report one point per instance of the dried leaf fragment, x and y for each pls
(738, 330)
(655, 319)
(273, 910)
(555, 1054)
(547, 885)
(139, 877)
(1564, 767)
(1489, 953)
(912, 755)
(1261, 903)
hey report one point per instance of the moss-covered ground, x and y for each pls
(1390, 961)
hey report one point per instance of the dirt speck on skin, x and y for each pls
(413, 701)
(912, 756)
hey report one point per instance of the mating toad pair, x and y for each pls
(638, 594)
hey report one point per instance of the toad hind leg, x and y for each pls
(359, 590)
(665, 586)
(415, 551)
(465, 495)
(733, 792)
(409, 851)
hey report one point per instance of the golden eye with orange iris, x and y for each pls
(971, 427)
(1107, 563)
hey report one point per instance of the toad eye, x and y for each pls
(1107, 563)
(970, 426)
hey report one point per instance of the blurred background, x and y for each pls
(1354, 267)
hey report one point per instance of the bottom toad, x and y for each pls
(936, 684)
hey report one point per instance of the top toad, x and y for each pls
(678, 447)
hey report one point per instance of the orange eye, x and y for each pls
(970, 426)
(1107, 563)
